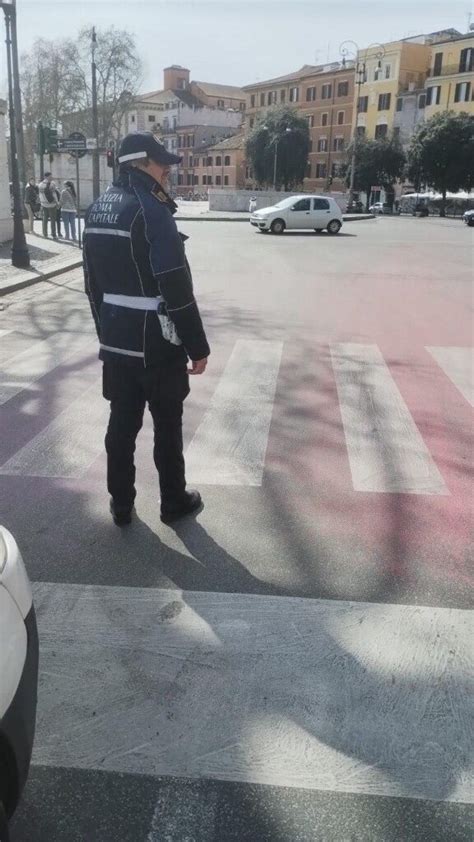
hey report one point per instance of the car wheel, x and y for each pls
(4, 835)
(319, 230)
(334, 226)
(277, 226)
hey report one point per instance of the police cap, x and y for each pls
(138, 145)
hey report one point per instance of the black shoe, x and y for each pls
(122, 515)
(191, 503)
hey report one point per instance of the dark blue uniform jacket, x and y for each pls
(137, 277)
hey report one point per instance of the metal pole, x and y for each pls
(354, 145)
(95, 124)
(20, 140)
(275, 165)
(40, 141)
(78, 199)
(20, 253)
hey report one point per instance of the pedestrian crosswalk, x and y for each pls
(384, 447)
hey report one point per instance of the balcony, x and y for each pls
(448, 70)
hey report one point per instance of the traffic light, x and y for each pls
(110, 158)
(50, 139)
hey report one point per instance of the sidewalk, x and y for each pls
(47, 258)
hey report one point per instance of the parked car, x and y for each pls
(303, 211)
(468, 217)
(18, 676)
(377, 207)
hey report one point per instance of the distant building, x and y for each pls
(220, 164)
(450, 82)
(410, 111)
(324, 95)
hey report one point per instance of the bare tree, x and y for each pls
(56, 84)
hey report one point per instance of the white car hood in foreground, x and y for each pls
(13, 574)
(13, 645)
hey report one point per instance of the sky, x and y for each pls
(236, 42)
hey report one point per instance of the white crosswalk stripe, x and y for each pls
(21, 371)
(230, 444)
(69, 444)
(385, 448)
(458, 365)
(317, 694)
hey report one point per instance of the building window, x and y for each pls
(294, 94)
(204, 179)
(310, 94)
(322, 144)
(189, 179)
(421, 101)
(218, 180)
(190, 161)
(362, 104)
(310, 119)
(343, 89)
(227, 161)
(209, 179)
(195, 179)
(204, 162)
(399, 104)
(384, 102)
(209, 162)
(132, 118)
(324, 118)
(321, 170)
(151, 118)
(462, 92)
(242, 106)
(466, 61)
(340, 118)
(335, 170)
(262, 99)
(180, 179)
(388, 71)
(180, 142)
(381, 131)
(218, 161)
(226, 180)
(360, 131)
(326, 92)
(269, 98)
(438, 63)
(251, 123)
(252, 101)
(338, 144)
(433, 95)
(282, 96)
(220, 103)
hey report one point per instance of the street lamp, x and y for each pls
(349, 49)
(20, 254)
(276, 141)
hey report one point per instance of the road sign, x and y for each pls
(91, 143)
(75, 144)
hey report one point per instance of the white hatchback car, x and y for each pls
(304, 211)
(18, 676)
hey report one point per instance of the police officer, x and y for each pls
(140, 290)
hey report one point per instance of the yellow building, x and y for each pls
(383, 73)
(450, 82)
(386, 71)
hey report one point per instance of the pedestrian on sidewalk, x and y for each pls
(49, 204)
(69, 210)
(31, 202)
(140, 290)
(58, 209)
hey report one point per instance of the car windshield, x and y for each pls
(285, 203)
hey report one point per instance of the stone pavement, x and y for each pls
(47, 258)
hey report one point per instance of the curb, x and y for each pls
(356, 218)
(38, 277)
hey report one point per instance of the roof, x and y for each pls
(189, 99)
(303, 72)
(226, 91)
(460, 37)
(235, 142)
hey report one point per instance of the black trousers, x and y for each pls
(129, 388)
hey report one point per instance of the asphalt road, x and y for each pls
(292, 664)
